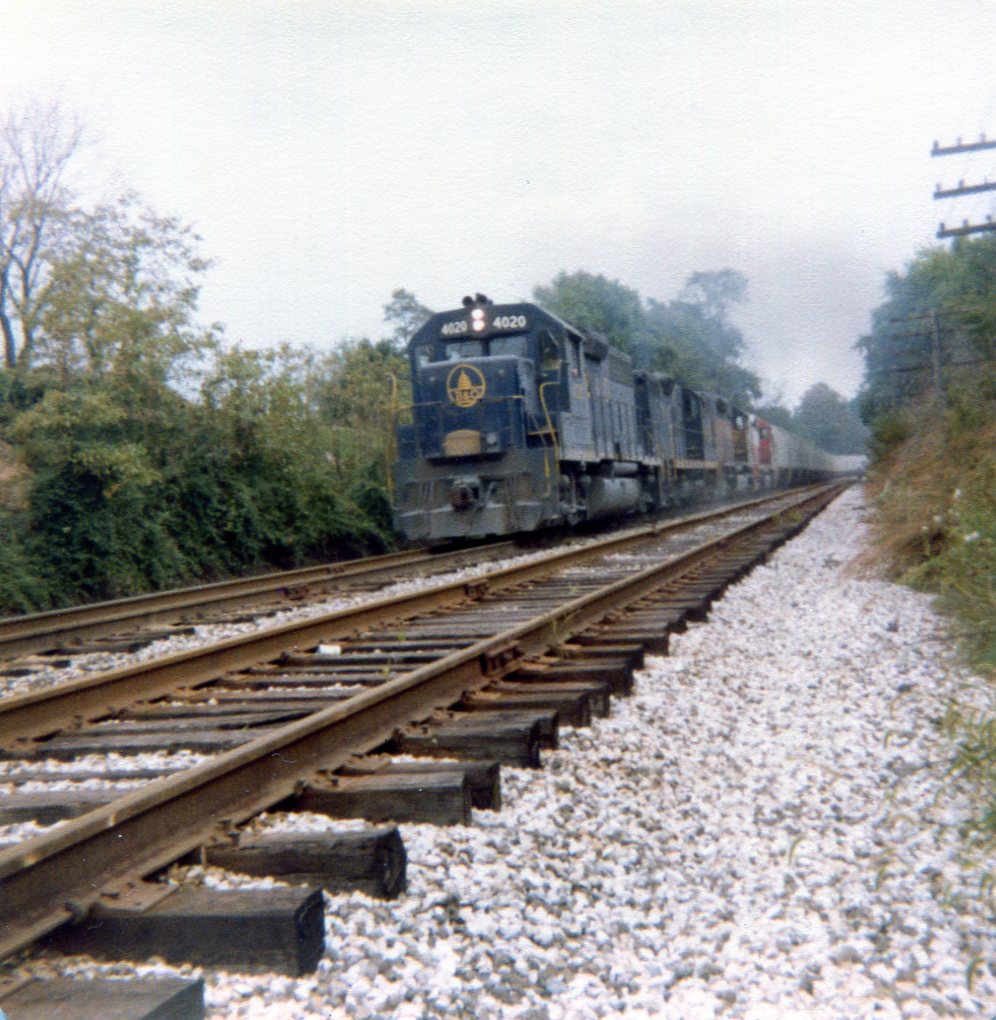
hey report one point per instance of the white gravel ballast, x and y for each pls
(765, 830)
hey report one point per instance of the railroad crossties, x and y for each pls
(745, 834)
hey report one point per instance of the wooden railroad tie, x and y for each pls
(148, 998)
(510, 738)
(483, 777)
(616, 673)
(440, 798)
(573, 706)
(279, 930)
(373, 861)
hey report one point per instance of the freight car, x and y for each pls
(521, 421)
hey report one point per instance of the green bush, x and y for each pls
(889, 430)
(22, 585)
(126, 497)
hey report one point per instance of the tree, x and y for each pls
(407, 314)
(829, 421)
(688, 338)
(714, 291)
(599, 305)
(693, 340)
(775, 414)
(136, 478)
(281, 462)
(365, 384)
(37, 145)
(121, 297)
(942, 306)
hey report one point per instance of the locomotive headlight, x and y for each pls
(477, 319)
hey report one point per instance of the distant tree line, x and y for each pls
(689, 338)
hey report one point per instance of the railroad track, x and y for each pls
(482, 671)
(126, 624)
(35, 641)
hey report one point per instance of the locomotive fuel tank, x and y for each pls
(612, 497)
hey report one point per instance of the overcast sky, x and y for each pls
(329, 152)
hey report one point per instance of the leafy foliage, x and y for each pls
(599, 305)
(22, 590)
(121, 298)
(406, 313)
(944, 304)
(829, 421)
(932, 445)
(365, 385)
(689, 338)
(147, 453)
(775, 414)
(125, 498)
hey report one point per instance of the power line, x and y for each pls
(928, 368)
(939, 313)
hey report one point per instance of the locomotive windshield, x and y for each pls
(464, 349)
(486, 347)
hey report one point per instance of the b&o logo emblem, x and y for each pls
(465, 385)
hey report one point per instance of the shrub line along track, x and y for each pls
(59, 876)
(43, 632)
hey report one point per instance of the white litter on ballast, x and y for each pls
(765, 830)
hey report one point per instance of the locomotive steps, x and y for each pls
(515, 653)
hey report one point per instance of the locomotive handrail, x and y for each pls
(553, 434)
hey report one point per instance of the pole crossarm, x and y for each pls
(959, 146)
(966, 228)
(964, 189)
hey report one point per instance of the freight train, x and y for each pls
(521, 421)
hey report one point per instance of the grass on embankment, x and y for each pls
(935, 498)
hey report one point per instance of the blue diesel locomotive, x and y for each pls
(520, 421)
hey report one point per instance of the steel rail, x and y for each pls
(39, 713)
(37, 632)
(57, 877)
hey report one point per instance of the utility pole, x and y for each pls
(964, 189)
(935, 356)
(935, 348)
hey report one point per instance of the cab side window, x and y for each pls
(549, 352)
